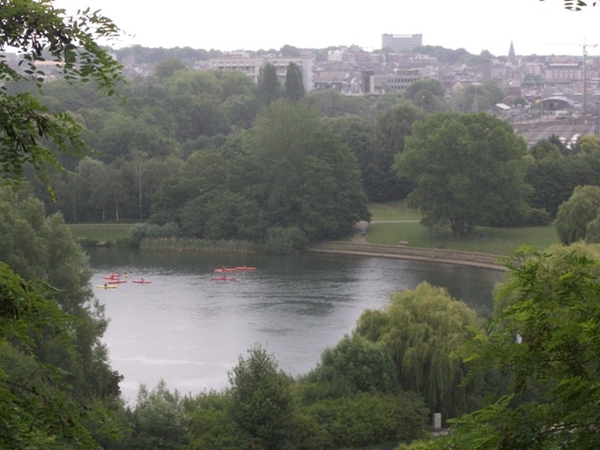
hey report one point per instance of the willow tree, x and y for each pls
(546, 342)
(422, 328)
(575, 215)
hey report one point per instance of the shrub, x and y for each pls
(281, 241)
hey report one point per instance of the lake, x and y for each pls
(188, 329)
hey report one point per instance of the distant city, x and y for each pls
(566, 87)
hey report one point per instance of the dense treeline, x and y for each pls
(213, 155)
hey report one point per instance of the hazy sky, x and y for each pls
(533, 26)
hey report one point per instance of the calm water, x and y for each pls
(189, 330)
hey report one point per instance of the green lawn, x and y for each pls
(393, 211)
(501, 241)
(100, 231)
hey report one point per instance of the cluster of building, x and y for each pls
(560, 87)
(352, 70)
(565, 87)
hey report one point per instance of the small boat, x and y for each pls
(223, 278)
(111, 277)
(225, 269)
(141, 281)
(245, 268)
(106, 286)
(117, 281)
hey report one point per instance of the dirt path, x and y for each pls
(357, 235)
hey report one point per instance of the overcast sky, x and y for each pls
(533, 26)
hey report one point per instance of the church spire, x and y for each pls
(511, 53)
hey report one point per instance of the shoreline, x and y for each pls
(444, 256)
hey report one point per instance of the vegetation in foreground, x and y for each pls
(377, 386)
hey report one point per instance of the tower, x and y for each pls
(512, 57)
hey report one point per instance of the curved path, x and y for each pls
(359, 246)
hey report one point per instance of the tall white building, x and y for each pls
(251, 66)
(400, 43)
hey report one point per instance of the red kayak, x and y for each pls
(245, 268)
(225, 269)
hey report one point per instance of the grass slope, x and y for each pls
(101, 232)
(387, 228)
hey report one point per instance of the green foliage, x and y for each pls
(39, 32)
(468, 170)
(209, 423)
(575, 214)
(168, 67)
(158, 420)
(294, 87)
(553, 179)
(393, 126)
(35, 408)
(356, 365)
(302, 174)
(422, 328)
(361, 420)
(261, 400)
(546, 343)
(283, 241)
(268, 89)
(331, 103)
(432, 86)
(41, 247)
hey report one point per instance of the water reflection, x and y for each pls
(190, 330)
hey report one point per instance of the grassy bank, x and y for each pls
(100, 232)
(497, 241)
(392, 223)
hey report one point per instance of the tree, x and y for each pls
(34, 410)
(289, 51)
(575, 214)
(158, 420)
(39, 32)
(357, 134)
(554, 177)
(422, 328)
(432, 86)
(303, 174)
(268, 89)
(546, 342)
(294, 87)
(356, 364)
(393, 126)
(588, 143)
(42, 248)
(577, 5)
(168, 67)
(261, 400)
(468, 170)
